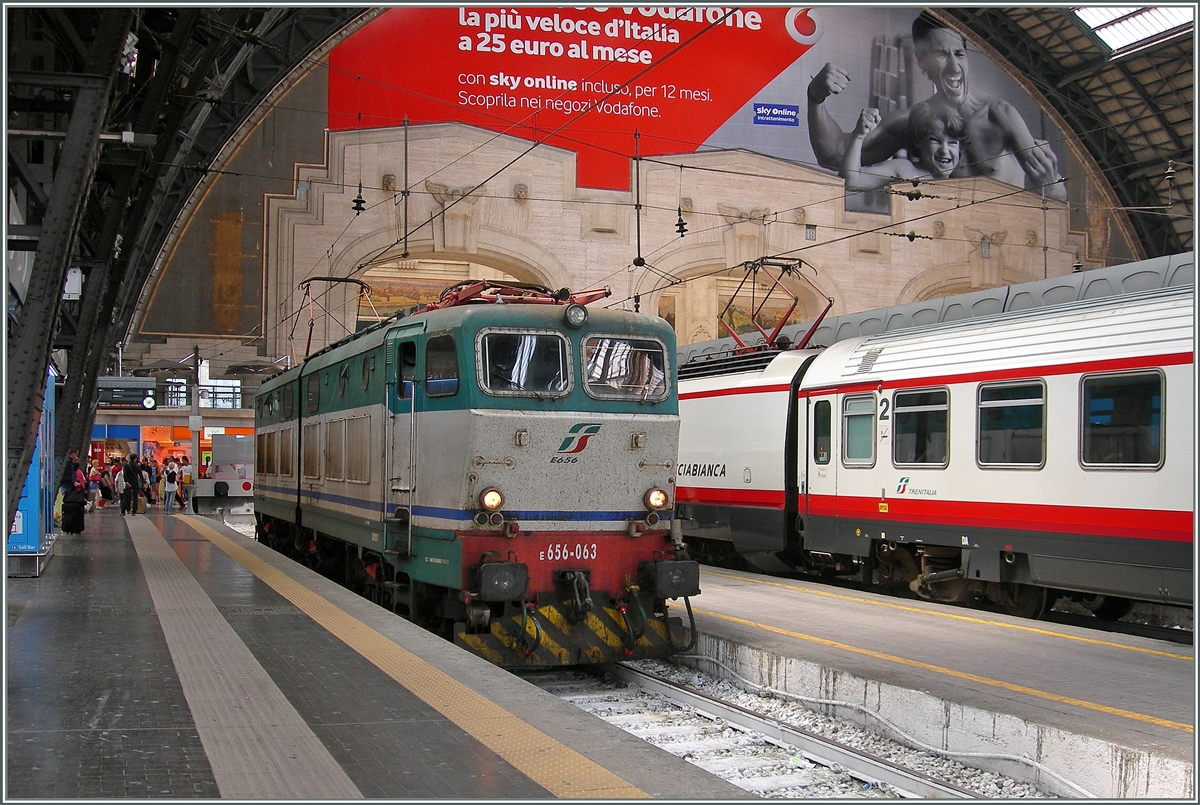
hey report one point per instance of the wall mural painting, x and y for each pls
(876, 95)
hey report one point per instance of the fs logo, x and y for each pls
(902, 486)
(577, 438)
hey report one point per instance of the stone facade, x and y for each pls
(497, 204)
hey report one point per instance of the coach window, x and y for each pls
(920, 427)
(287, 401)
(524, 364)
(1122, 420)
(822, 431)
(1011, 429)
(858, 430)
(441, 366)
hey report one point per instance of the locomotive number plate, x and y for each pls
(563, 550)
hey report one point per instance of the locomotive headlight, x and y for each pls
(491, 500)
(575, 315)
(656, 499)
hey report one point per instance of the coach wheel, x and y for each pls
(1025, 601)
(1107, 607)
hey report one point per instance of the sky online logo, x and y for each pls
(577, 438)
(903, 485)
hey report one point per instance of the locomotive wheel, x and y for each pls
(1107, 607)
(1026, 601)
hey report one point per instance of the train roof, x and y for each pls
(1156, 322)
(1158, 272)
(476, 317)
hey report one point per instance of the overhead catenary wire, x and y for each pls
(561, 133)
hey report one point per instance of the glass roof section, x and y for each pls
(1126, 27)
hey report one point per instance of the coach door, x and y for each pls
(819, 482)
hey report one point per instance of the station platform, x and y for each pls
(169, 656)
(1081, 713)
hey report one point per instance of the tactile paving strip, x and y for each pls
(257, 744)
(559, 769)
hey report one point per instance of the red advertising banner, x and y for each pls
(582, 79)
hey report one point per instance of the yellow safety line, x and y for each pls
(1040, 694)
(951, 615)
(559, 769)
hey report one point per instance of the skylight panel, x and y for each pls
(1124, 27)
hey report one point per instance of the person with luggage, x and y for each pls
(132, 475)
(74, 501)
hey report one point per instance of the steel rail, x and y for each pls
(860, 765)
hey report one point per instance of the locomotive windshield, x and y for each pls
(524, 363)
(624, 368)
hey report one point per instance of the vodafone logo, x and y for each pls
(802, 26)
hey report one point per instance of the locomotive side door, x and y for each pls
(402, 422)
(400, 438)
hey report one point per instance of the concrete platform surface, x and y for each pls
(169, 656)
(1081, 712)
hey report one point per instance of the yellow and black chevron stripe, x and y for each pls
(549, 636)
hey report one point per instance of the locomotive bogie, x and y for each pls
(983, 461)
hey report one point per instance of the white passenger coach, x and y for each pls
(1002, 460)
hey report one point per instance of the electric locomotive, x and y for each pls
(1001, 461)
(498, 467)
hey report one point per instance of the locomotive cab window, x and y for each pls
(822, 431)
(619, 368)
(441, 367)
(524, 364)
(1122, 420)
(858, 430)
(1011, 430)
(920, 428)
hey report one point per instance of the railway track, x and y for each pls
(758, 753)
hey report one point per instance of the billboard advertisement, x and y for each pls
(862, 92)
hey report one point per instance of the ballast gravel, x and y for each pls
(988, 784)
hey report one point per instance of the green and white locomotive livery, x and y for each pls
(498, 467)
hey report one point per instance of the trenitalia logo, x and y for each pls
(903, 485)
(577, 438)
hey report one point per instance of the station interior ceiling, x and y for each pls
(130, 144)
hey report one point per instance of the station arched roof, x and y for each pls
(140, 135)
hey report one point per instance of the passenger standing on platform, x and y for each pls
(185, 479)
(68, 476)
(170, 485)
(94, 475)
(132, 475)
(74, 504)
(106, 488)
(147, 481)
